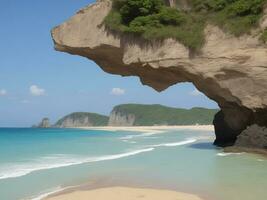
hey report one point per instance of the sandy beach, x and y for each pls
(124, 193)
(155, 129)
(129, 192)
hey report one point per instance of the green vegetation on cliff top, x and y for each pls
(264, 36)
(149, 115)
(94, 118)
(152, 19)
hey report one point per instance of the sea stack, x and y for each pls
(44, 123)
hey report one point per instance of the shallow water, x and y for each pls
(35, 162)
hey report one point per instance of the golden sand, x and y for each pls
(155, 129)
(124, 193)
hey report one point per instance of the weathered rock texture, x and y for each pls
(74, 122)
(44, 123)
(231, 71)
(253, 136)
(121, 119)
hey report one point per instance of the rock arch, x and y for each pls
(231, 71)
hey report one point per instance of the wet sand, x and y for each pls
(124, 193)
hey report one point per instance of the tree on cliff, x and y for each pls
(132, 9)
(160, 19)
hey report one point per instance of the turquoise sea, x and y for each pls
(36, 162)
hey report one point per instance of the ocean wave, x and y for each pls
(188, 141)
(53, 162)
(228, 154)
(128, 137)
(128, 141)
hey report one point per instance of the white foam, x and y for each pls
(46, 193)
(128, 137)
(53, 162)
(128, 141)
(228, 154)
(203, 137)
(188, 141)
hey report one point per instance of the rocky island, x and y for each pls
(45, 123)
(219, 46)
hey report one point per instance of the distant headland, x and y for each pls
(136, 115)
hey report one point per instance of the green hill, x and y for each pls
(79, 119)
(149, 115)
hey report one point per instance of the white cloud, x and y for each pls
(117, 91)
(196, 92)
(36, 91)
(3, 92)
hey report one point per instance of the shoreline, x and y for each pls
(127, 191)
(110, 182)
(121, 193)
(155, 129)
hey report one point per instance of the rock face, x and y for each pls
(44, 123)
(121, 119)
(253, 136)
(82, 119)
(231, 71)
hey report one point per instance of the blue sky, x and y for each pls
(36, 81)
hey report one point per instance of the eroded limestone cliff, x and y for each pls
(229, 70)
(121, 119)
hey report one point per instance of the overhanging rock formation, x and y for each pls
(231, 71)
